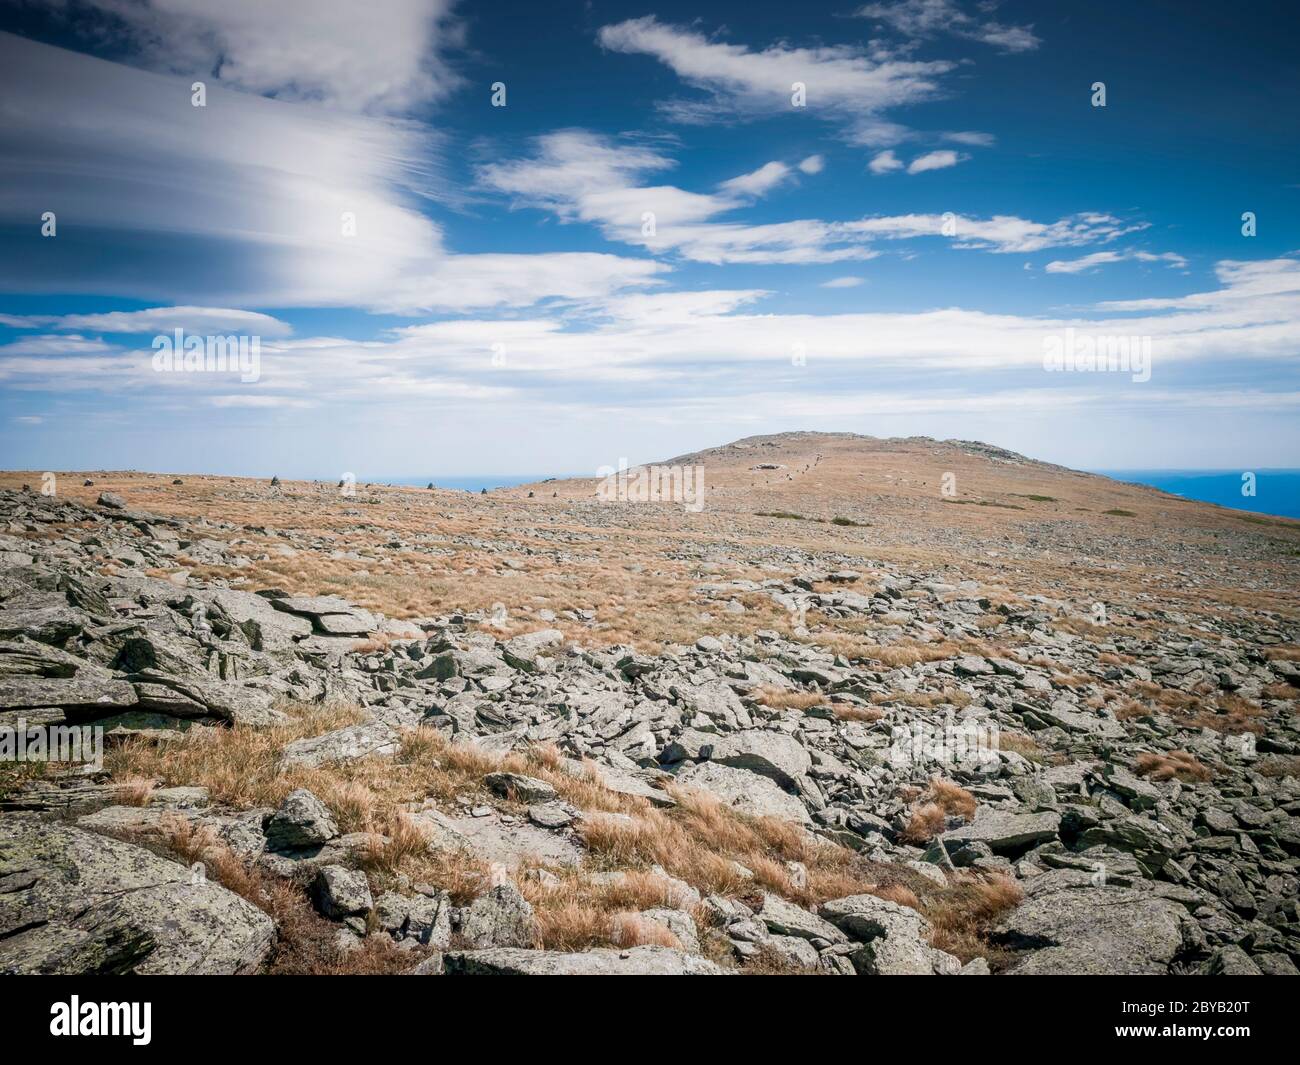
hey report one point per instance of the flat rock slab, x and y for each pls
(624, 782)
(342, 745)
(1075, 928)
(90, 689)
(77, 902)
(744, 791)
(637, 961)
(1006, 830)
(771, 754)
(329, 614)
(495, 840)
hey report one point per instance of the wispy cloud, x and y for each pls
(1103, 258)
(920, 19)
(157, 320)
(583, 177)
(852, 86)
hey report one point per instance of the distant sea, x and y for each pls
(1276, 491)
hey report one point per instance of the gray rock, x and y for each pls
(784, 918)
(75, 902)
(679, 923)
(523, 652)
(1005, 831)
(894, 938)
(342, 745)
(500, 918)
(771, 754)
(520, 788)
(341, 892)
(744, 791)
(301, 821)
(1074, 927)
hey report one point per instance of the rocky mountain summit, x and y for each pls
(878, 766)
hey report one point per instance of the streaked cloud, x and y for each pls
(922, 19)
(385, 58)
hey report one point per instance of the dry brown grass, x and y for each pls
(579, 911)
(1175, 764)
(940, 800)
(925, 822)
(629, 929)
(1232, 714)
(135, 792)
(900, 894)
(967, 911)
(1279, 766)
(1126, 709)
(852, 712)
(784, 699)
(953, 798)
(700, 841)
(1025, 746)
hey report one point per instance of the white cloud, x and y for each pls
(762, 180)
(475, 282)
(260, 402)
(1103, 258)
(929, 18)
(384, 57)
(972, 138)
(158, 320)
(885, 162)
(814, 164)
(842, 282)
(653, 349)
(1001, 233)
(939, 160)
(852, 86)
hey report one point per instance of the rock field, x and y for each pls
(1010, 783)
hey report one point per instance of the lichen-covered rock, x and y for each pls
(77, 902)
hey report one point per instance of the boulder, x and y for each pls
(1005, 831)
(301, 821)
(341, 892)
(500, 918)
(519, 787)
(523, 652)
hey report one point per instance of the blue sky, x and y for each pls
(658, 242)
